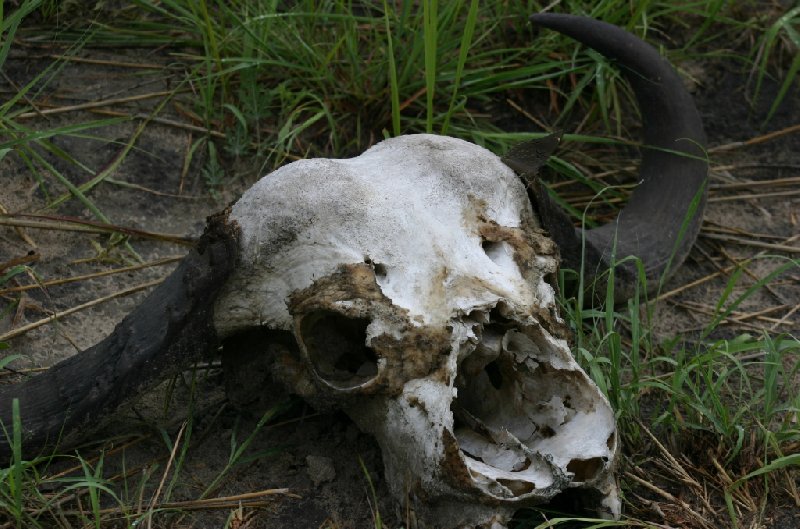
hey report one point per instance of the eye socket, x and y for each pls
(336, 347)
(500, 252)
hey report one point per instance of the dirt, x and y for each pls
(315, 456)
(722, 100)
(291, 455)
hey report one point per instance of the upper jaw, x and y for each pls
(510, 421)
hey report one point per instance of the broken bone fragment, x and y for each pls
(418, 287)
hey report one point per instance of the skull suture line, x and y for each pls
(419, 288)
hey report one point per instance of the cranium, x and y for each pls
(414, 288)
(420, 291)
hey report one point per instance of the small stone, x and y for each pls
(320, 469)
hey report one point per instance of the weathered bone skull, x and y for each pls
(420, 291)
(413, 288)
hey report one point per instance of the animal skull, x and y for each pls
(413, 287)
(420, 290)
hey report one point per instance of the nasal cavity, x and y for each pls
(336, 347)
(494, 374)
(585, 469)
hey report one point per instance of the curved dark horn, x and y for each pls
(659, 223)
(166, 333)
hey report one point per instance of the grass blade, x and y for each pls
(466, 42)
(430, 15)
(393, 86)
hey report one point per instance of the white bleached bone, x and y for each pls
(419, 289)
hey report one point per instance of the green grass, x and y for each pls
(783, 38)
(62, 490)
(330, 78)
(329, 74)
(732, 399)
(33, 146)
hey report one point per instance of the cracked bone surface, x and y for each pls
(419, 290)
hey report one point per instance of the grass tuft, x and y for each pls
(783, 33)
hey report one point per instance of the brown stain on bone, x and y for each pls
(454, 470)
(353, 292)
(527, 244)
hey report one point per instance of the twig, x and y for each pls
(53, 222)
(31, 257)
(137, 187)
(187, 160)
(785, 318)
(94, 104)
(696, 282)
(161, 121)
(106, 453)
(416, 95)
(101, 62)
(669, 497)
(711, 227)
(25, 328)
(736, 317)
(175, 445)
(710, 258)
(222, 502)
(20, 231)
(747, 242)
(758, 139)
(777, 182)
(754, 195)
(740, 495)
(65, 280)
(752, 275)
(527, 114)
(20, 91)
